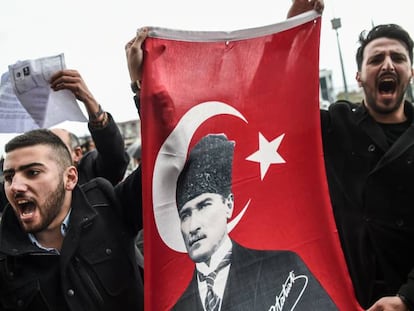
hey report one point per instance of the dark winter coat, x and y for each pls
(256, 281)
(109, 159)
(372, 191)
(96, 269)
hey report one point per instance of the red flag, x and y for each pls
(260, 89)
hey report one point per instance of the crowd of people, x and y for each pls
(56, 252)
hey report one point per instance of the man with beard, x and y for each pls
(65, 246)
(369, 157)
(109, 159)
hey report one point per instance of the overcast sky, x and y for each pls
(92, 35)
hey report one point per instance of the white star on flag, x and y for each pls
(267, 153)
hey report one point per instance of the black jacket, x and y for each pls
(96, 269)
(263, 280)
(372, 192)
(109, 159)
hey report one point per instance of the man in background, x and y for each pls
(369, 156)
(109, 158)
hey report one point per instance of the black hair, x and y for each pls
(42, 137)
(391, 31)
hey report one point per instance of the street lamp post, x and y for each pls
(336, 24)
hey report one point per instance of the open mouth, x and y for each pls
(387, 85)
(26, 208)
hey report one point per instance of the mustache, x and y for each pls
(193, 238)
(20, 195)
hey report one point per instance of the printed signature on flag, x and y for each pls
(286, 288)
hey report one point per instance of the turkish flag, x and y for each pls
(258, 88)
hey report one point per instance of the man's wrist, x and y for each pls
(98, 119)
(407, 303)
(136, 86)
(101, 122)
(95, 116)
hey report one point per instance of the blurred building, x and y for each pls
(130, 130)
(326, 88)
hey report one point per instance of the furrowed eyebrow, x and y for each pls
(184, 210)
(203, 202)
(22, 168)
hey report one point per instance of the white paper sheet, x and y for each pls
(28, 102)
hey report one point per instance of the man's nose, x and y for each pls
(388, 64)
(18, 184)
(194, 222)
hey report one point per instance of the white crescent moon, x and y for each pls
(168, 165)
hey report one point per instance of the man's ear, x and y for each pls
(77, 154)
(358, 78)
(70, 178)
(229, 205)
